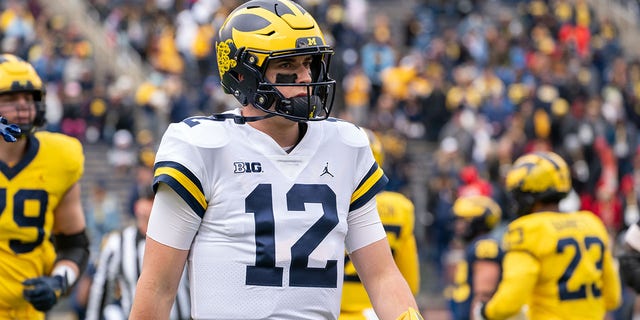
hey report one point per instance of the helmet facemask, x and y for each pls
(473, 228)
(317, 103)
(38, 119)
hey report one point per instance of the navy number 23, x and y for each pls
(265, 272)
(581, 291)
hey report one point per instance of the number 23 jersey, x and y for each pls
(29, 192)
(560, 264)
(274, 224)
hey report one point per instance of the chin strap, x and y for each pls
(301, 107)
(240, 119)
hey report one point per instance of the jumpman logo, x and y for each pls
(326, 170)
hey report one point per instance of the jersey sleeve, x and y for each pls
(75, 159)
(519, 274)
(520, 268)
(171, 222)
(372, 183)
(364, 228)
(70, 151)
(529, 236)
(179, 166)
(369, 178)
(486, 249)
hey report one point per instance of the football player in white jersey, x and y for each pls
(262, 201)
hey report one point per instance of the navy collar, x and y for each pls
(33, 145)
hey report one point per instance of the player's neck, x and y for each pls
(283, 131)
(12, 152)
(545, 207)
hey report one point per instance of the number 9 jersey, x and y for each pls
(560, 264)
(270, 227)
(30, 190)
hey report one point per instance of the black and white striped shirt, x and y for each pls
(117, 271)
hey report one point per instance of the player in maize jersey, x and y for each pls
(397, 215)
(559, 263)
(43, 246)
(262, 201)
(476, 276)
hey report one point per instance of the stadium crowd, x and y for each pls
(479, 83)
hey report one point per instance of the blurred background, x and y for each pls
(456, 90)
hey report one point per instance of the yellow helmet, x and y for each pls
(17, 75)
(259, 31)
(538, 177)
(376, 146)
(481, 212)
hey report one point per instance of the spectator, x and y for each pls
(102, 213)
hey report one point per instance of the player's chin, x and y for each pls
(20, 121)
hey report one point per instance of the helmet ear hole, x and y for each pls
(252, 59)
(261, 100)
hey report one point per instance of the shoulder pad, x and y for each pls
(351, 134)
(589, 215)
(524, 234)
(595, 221)
(62, 142)
(200, 131)
(67, 147)
(487, 249)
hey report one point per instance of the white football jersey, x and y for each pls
(273, 229)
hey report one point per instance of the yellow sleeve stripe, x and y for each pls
(372, 183)
(183, 182)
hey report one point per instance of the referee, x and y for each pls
(118, 268)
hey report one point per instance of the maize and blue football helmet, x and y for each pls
(541, 177)
(260, 31)
(481, 213)
(17, 75)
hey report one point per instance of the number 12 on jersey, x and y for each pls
(264, 272)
